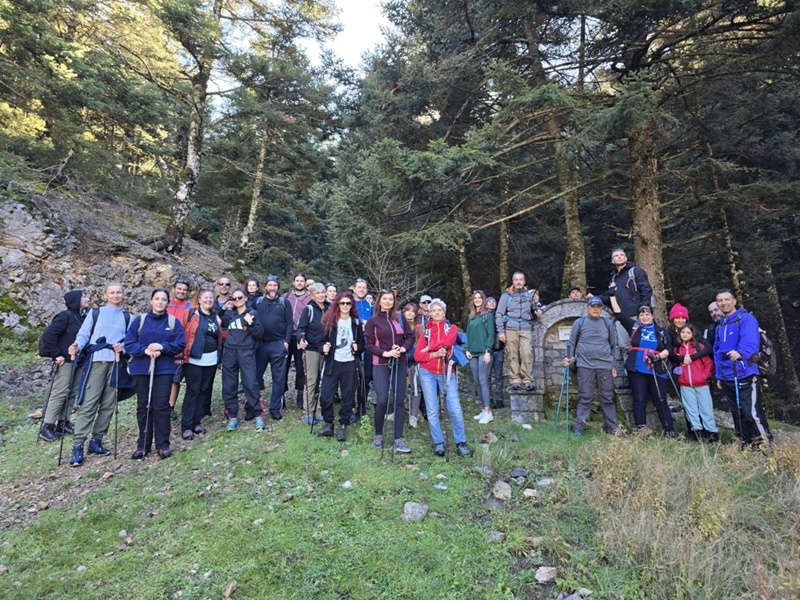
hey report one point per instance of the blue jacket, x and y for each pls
(738, 331)
(155, 330)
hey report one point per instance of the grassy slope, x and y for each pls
(280, 523)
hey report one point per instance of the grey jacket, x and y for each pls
(593, 342)
(514, 312)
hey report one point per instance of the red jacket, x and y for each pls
(435, 337)
(699, 372)
(190, 329)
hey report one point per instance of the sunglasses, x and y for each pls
(345, 303)
(237, 298)
(425, 302)
(221, 284)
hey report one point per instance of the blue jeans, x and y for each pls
(431, 384)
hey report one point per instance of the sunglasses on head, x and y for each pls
(359, 280)
(272, 278)
(183, 281)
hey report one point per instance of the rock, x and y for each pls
(81, 568)
(344, 453)
(3, 569)
(122, 533)
(545, 482)
(484, 470)
(347, 485)
(529, 493)
(501, 490)
(108, 475)
(129, 540)
(518, 473)
(496, 537)
(527, 426)
(258, 522)
(584, 592)
(537, 541)
(287, 497)
(575, 596)
(441, 476)
(440, 486)
(513, 437)
(414, 511)
(230, 589)
(42, 505)
(490, 438)
(545, 574)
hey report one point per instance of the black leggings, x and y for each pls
(644, 386)
(380, 377)
(343, 374)
(158, 420)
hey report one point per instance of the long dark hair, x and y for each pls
(331, 316)
(392, 311)
(472, 310)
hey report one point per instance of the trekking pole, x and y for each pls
(116, 403)
(66, 407)
(53, 372)
(390, 365)
(317, 391)
(307, 398)
(393, 399)
(566, 411)
(560, 395)
(442, 408)
(738, 404)
(149, 399)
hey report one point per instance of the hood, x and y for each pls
(731, 318)
(73, 300)
(511, 291)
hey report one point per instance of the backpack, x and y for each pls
(631, 279)
(766, 357)
(580, 322)
(96, 313)
(170, 321)
(260, 299)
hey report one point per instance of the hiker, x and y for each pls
(575, 293)
(497, 383)
(410, 311)
(298, 298)
(55, 343)
(593, 345)
(737, 340)
(252, 291)
(223, 301)
(201, 357)
(154, 340)
(310, 336)
(716, 315)
(424, 314)
(179, 308)
(631, 285)
(275, 317)
(692, 355)
(650, 344)
(330, 293)
(239, 359)
(433, 352)
(100, 336)
(678, 317)
(388, 339)
(515, 312)
(343, 341)
(480, 342)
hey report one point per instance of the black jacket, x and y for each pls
(310, 326)
(58, 336)
(358, 337)
(241, 336)
(633, 289)
(275, 317)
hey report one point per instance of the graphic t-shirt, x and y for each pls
(344, 341)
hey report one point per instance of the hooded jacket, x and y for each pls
(738, 331)
(436, 335)
(194, 334)
(358, 338)
(698, 373)
(310, 326)
(383, 331)
(514, 311)
(59, 335)
(633, 289)
(241, 336)
(155, 329)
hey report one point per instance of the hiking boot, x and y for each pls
(49, 433)
(77, 455)
(341, 435)
(164, 453)
(377, 442)
(138, 454)
(401, 446)
(412, 422)
(260, 423)
(514, 387)
(249, 415)
(188, 435)
(499, 404)
(530, 387)
(233, 424)
(438, 449)
(325, 431)
(276, 416)
(65, 428)
(577, 431)
(461, 448)
(486, 418)
(199, 429)
(671, 435)
(713, 437)
(96, 447)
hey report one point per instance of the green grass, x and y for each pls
(281, 524)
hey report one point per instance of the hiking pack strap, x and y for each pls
(170, 320)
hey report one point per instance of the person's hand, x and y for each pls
(719, 384)
(734, 356)
(248, 318)
(687, 360)
(354, 346)
(441, 353)
(468, 354)
(567, 361)
(589, 295)
(502, 337)
(286, 346)
(326, 348)
(393, 353)
(73, 350)
(118, 348)
(59, 360)
(304, 344)
(152, 353)
(538, 313)
(487, 358)
(613, 371)
(612, 288)
(154, 347)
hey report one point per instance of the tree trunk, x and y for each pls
(786, 368)
(647, 242)
(255, 200)
(738, 285)
(466, 280)
(505, 276)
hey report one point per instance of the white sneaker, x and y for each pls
(412, 421)
(478, 416)
(390, 417)
(486, 417)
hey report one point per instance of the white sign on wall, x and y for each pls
(564, 333)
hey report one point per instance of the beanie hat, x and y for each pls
(678, 311)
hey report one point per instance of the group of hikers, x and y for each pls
(342, 345)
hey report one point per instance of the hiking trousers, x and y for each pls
(432, 384)
(699, 409)
(158, 421)
(481, 373)
(236, 361)
(312, 360)
(589, 382)
(644, 386)
(197, 399)
(749, 419)
(274, 354)
(95, 413)
(519, 356)
(342, 376)
(380, 376)
(60, 394)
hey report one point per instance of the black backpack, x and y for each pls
(767, 357)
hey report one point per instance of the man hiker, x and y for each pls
(298, 298)
(101, 336)
(223, 301)
(593, 345)
(631, 286)
(737, 340)
(55, 343)
(178, 307)
(275, 316)
(716, 315)
(515, 312)
(365, 309)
